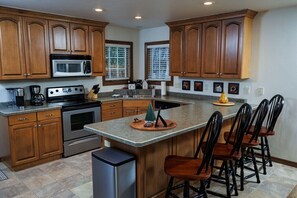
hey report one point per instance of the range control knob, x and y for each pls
(57, 90)
(51, 92)
(69, 89)
(80, 90)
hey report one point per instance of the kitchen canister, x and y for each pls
(163, 88)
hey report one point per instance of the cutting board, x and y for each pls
(140, 126)
(224, 104)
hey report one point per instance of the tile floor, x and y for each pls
(72, 178)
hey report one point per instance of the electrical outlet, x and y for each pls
(260, 91)
(177, 85)
(206, 87)
(106, 143)
(247, 90)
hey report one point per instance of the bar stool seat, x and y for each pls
(263, 131)
(246, 141)
(185, 168)
(223, 151)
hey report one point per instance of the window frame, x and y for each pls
(119, 82)
(154, 82)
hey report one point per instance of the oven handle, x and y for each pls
(84, 140)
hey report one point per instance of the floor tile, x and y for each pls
(84, 191)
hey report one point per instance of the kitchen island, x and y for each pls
(151, 147)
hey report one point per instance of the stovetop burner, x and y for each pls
(69, 96)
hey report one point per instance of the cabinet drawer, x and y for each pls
(44, 115)
(136, 103)
(110, 114)
(112, 105)
(22, 118)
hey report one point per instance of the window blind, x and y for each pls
(117, 62)
(158, 62)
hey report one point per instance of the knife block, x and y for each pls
(91, 95)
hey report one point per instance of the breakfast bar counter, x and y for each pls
(152, 147)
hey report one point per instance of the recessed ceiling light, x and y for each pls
(98, 9)
(138, 17)
(208, 3)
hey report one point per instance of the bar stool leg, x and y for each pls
(263, 155)
(241, 173)
(186, 190)
(255, 165)
(169, 187)
(268, 151)
(227, 180)
(233, 178)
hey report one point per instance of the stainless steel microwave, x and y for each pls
(64, 65)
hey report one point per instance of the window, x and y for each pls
(157, 62)
(119, 62)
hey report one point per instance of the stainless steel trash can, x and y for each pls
(114, 174)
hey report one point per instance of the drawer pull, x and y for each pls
(22, 119)
(49, 115)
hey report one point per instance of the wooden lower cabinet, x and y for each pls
(112, 110)
(135, 107)
(34, 138)
(151, 179)
(24, 143)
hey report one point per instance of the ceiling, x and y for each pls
(154, 12)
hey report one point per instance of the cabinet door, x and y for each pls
(50, 137)
(231, 51)
(193, 36)
(97, 50)
(176, 51)
(12, 61)
(36, 43)
(59, 37)
(130, 111)
(79, 39)
(211, 49)
(23, 143)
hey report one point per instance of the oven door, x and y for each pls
(74, 121)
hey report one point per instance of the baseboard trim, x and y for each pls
(285, 162)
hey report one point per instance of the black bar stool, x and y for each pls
(228, 153)
(276, 104)
(194, 168)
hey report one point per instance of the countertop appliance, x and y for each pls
(19, 97)
(64, 65)
(76, 112)
(36, 97)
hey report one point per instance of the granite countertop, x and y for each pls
(6, 110)
(188, 117)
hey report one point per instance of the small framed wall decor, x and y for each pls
(218, 87)
(198, 85)
(233, 88)
(186, 85)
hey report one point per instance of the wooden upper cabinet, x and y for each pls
(211, 49)
(59, 37)
(176, 51)
(12, 62)
(79, 39)
(36, 43)
(97, 49)
(193, 43)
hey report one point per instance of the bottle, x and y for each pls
(144, 84)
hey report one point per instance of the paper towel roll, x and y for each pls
(163, 88)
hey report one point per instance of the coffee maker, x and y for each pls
(36, 97)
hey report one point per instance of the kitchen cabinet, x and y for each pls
(34, 138)
(12, 59)
(211, 49)
(68, 38)
(97, 49)
(185, 47)
(217, 46)
(36, 42)
(176, 51)
(112, 110)
(135, 107)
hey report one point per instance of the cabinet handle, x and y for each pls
(221, 74)
(49, 115)
(112, 105)
(22, 119)
(25, 74)
(35, 126)
(28, 74)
